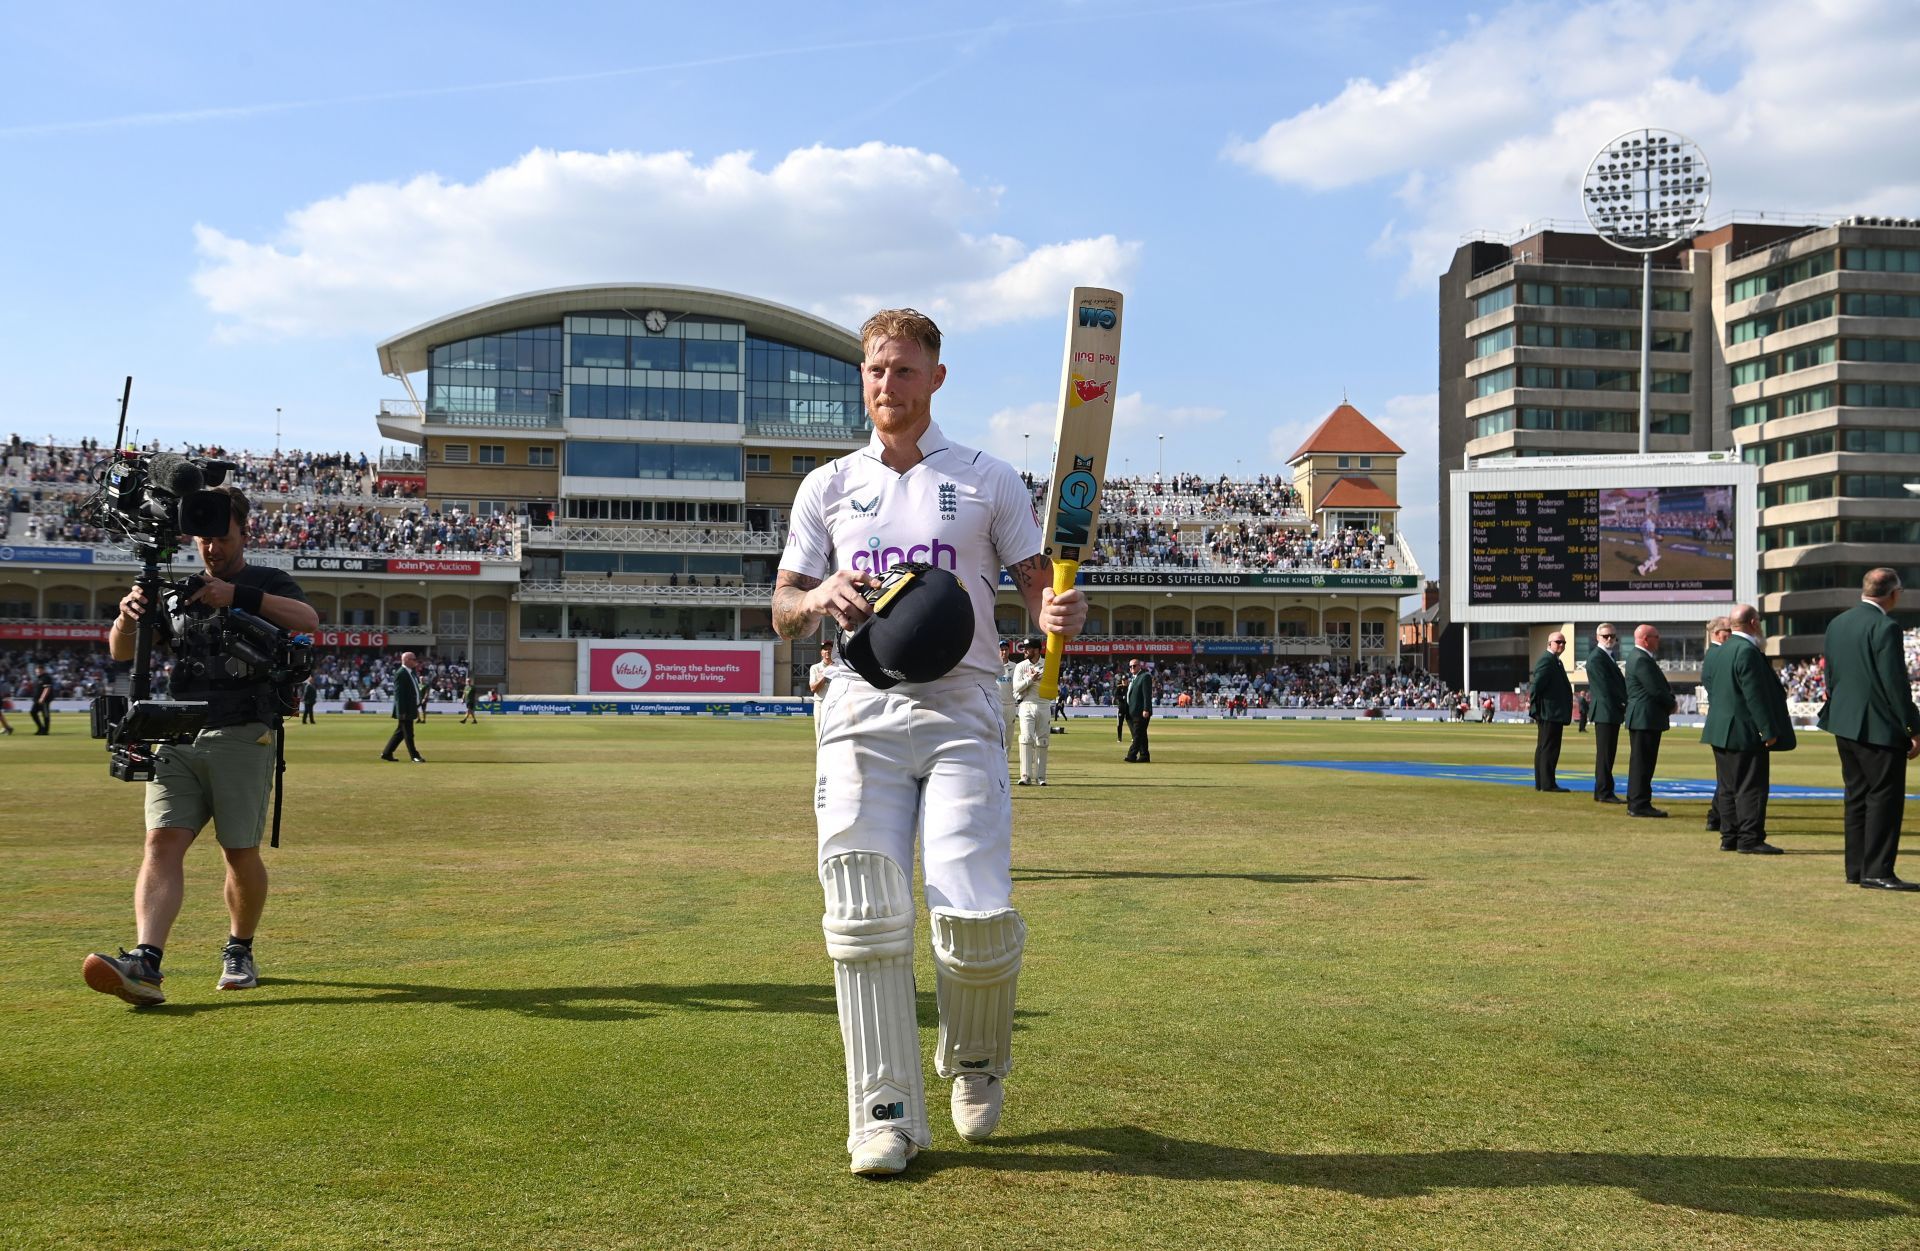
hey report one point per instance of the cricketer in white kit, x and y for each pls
(917, 757)
(1035, 714)
(1009, 706)
(1650, 537)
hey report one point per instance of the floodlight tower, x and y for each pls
(1646, 190)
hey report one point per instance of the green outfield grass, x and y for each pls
(564, 987)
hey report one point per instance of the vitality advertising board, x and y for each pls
(648, 667)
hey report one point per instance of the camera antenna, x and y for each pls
(119, 435)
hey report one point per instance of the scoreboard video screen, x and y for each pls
(1600, 546)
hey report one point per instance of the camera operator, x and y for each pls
(225, 775)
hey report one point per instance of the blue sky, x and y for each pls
(234, 206)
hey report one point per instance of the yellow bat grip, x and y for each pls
(1064, 572)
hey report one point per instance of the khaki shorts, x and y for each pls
(224, 776)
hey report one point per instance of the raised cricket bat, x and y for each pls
(1080, 438)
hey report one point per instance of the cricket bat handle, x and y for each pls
(1064, 572)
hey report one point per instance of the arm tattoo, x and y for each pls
(1038, 566)
(789, 620)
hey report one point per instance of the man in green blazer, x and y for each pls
(1720, 811)
(1871, 714)
(1551, 707)
(406, 707)
(1139, 710)
(1746, 722)
(1608, 688)
(1649, 703)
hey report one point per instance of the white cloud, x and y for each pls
(1800, 107)
(837, 231)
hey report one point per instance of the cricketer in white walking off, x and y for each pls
(927, 756)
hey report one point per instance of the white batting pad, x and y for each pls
(977, 955)
(869, 929)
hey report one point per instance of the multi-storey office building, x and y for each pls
(1797, 343)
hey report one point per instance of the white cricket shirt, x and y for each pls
(959, 508)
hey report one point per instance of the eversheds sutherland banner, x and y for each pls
(377, 564)
(1281, 581)
(645, 667)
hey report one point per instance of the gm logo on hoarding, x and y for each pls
(1101, 317)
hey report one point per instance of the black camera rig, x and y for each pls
(152, 501)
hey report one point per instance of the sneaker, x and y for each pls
(127, 975)
(883, 1154)
(237, 971)
(1023, 782)
(1041, 782)
(977, 1098)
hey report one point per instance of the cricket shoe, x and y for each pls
(237, 971)
(883, 1154)
(127, 975)
(976, 1105)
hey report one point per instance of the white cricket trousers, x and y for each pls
(893, 766)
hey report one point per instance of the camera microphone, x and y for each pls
(216, 471)
(175, 475)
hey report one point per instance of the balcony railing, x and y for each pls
(652, 538)
(601, 591)
(809, 430)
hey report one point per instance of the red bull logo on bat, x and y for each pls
(1086, 392)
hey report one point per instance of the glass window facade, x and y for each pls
(688, 371)
(1890, 351)
(686, 462)
(518, 371)
(1588, 295)
(1780, 276)
(1801, 314)
(1879, 304)
(789, 386)
(1493, 383)
(1491, 424)
(1493, 301)
(1895, 442)
(1880, 395)
(1882, 260)
(1499, 341)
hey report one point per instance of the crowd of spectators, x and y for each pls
(82, 673)
(77, 673)
(1806, 680)
(1189, 496)
(292, 472)
(370, 677)
(1242, 682)
(365, 528)
(1266, 546)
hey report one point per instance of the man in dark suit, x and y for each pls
(1871, 714)
(1746, 721)
(1720, 811)
(41, 709)
(1649, 703)
(1139, 710)
(406, 707)
(1609, 690)
(1550, 704)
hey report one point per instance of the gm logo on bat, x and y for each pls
(1101, 317)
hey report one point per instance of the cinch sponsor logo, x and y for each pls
(1101, 317)
(889, 1111)
(878, 559)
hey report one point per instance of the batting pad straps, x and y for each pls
(869, 930)
(977, 955)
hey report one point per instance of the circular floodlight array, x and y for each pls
(1647, 189)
